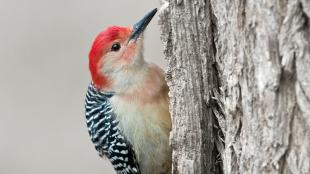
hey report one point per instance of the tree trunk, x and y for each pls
(239, 79)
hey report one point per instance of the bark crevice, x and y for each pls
(239, 79)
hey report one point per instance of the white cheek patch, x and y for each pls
(111, 61)
(125, 72)
(128, 55)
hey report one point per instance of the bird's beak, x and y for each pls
(139, 27)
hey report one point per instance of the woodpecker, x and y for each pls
(127, 111)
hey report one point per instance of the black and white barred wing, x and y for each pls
(104, 133)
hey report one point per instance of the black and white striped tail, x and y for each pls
(105, 134)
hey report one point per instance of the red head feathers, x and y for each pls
(101, 46)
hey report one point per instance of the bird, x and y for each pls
(127, 102)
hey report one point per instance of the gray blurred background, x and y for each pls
(44, 76)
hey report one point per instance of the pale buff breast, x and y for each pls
(145, 121)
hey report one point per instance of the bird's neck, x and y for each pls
(147, 87)
(129, 78)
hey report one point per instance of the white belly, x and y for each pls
(145, 127)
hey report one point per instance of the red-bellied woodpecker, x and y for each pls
(127, 103)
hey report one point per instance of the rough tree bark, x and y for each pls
(239, 78)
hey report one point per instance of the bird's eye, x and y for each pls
(115, 47)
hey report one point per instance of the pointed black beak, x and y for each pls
(139, 27)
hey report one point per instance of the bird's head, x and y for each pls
(117, 50)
